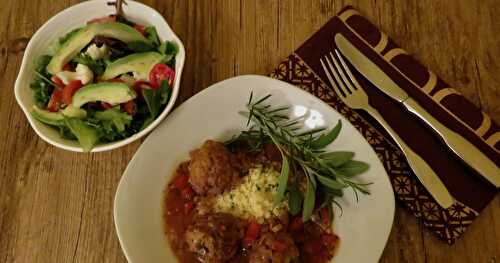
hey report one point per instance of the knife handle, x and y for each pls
(464, 149)
(421, 169)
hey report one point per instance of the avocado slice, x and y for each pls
(109, 92)
(71, 111)
(86, 135)
(80, 39)
(139, 63)
(47, 117)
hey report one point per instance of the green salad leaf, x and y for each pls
(153, 35)
(156, 99)
(164, 92)
(41, 85)
(97, 66)
(116, 116)
(169, 49)
(140, 46)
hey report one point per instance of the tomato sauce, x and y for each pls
(315, 244)
(177, 218)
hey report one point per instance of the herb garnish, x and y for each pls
(304, 159)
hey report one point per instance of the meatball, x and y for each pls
(214, 237)
(212, 169)
(274, 248)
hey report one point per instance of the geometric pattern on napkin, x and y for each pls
(447, 224)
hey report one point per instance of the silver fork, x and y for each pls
(351, 93)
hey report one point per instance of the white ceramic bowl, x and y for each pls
(363, 227)
(77, 16)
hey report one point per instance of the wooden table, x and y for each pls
(56, 206)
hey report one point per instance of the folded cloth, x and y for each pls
(472, 193)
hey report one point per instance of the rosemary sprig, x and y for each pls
(327, 174)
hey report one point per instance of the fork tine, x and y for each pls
(342, 76)
(340, 85)
(339, 92)
(347, 70)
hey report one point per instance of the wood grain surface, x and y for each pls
(56, 206)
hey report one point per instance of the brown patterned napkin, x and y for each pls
(303, 68)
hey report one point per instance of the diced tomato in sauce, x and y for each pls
(252, 233)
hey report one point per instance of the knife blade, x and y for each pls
(464, 149)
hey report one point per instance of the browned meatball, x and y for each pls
(211, 169)
(274, 248)
(214, 237)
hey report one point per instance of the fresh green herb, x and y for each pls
(326, 173)
(309, 200)
(337, 159)
(283, 179)
(325, 139)
(294, 200)
(97, 66)
(353, 167)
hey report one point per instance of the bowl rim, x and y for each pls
(180, 57)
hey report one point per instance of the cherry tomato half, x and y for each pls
(159, 73)
(69, 91)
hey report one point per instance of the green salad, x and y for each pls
(105, 81)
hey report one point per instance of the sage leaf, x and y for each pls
(282, 180)
(330, 183)
(325, 139)
(336, 159)
(310, 199)
(353, 167)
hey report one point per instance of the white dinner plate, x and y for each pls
(363, 227)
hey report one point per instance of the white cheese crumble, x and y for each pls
(82, 73)
(253, 197)
(96, 52)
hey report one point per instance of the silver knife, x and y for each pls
(464, 149)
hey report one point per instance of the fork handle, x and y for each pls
(422, 170)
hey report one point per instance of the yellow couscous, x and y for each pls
(253, 197)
